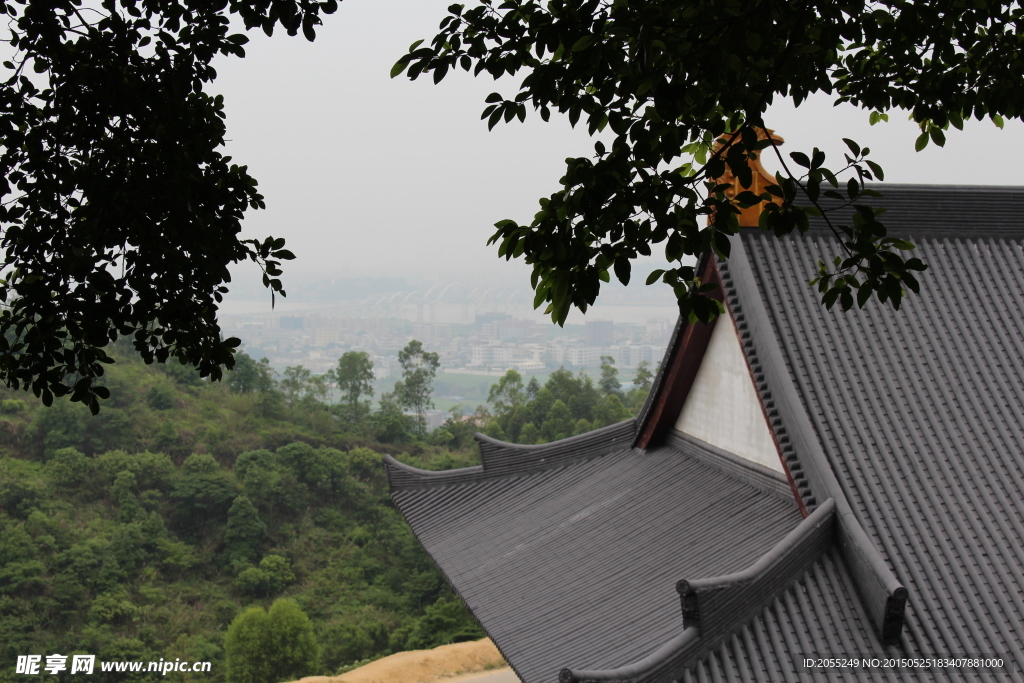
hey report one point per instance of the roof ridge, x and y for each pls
(500, 458)
(714, 607)
(885, 597)
(940, 210)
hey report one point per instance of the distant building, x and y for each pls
(631, 355)
(432, 334)
(529, 366)
(556, 351)
(481, 355)
(507, 329)
(492, 354)
(384, 366)
(482, 319)
(599, 333)
(586, 356)
(435, 418)
(323, 336)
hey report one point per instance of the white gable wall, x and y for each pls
(722, 407)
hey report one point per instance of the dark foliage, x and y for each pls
(683, 89)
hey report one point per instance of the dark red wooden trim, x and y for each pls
(768, 421)
(682, 368)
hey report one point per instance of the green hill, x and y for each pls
(140, 533)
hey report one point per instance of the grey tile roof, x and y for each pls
(819, 616)
(916, 413)
(902, 433)
(576, 565)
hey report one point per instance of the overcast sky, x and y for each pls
(365, 175)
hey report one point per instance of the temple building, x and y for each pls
(802, 484)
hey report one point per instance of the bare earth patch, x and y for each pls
(423, 666)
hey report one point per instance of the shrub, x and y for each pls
(12, 406)
(263, 647)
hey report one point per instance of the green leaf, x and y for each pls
(623, 269)
(800, 158)
(922, 142)
(398, 67)
(854, 147)
(722, 244)
(818, 158)
(653, 277)
(863, 294)
(583, 43)
(539, 297)
(830, 297)
(494, 118)
(440, 72)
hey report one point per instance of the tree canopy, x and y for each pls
(118, 210)
(684, 87)
(271, 646)
(120, 214)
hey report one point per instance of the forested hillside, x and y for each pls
(141, 533)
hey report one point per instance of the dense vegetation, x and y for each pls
(145, 531)
(566, 405)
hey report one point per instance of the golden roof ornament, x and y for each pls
(761, 178)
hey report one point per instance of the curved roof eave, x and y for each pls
(714, 607)
(500, 458)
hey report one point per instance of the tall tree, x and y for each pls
(244, 532)
(509, 398)
(643, 377)
(609, 382)
(354, 376)
(419, 368)
(508, 394)
(120, 213)
(295, 383)
(684, 88)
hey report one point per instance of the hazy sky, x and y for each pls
(367, 175)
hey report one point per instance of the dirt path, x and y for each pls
(474, 662)
(505, 675)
